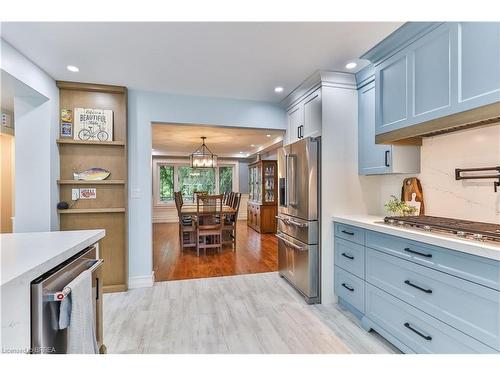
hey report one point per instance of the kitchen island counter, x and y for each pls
(24, 257)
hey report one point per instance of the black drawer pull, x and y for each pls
(347, 287)
(349, 233)
(347, 256)
(408, 282)
(407, 325)
(408, 250)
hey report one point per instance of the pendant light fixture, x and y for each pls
(203, 157)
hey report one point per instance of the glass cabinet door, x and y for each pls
(270, 189)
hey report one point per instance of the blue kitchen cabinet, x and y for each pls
(478, 65)
(373, 158)
(452, 68)
(420, 297)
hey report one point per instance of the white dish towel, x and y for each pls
(76, 313)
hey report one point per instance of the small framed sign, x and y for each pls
(93, 124)
(66, 130)
(88, 193)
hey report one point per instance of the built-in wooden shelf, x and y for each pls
(109, 209)
(91, 210)
(90, 182)
(68, 141)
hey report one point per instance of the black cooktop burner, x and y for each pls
(462, 228)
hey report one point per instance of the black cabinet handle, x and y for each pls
(97, 288)
(408, 282)
(349, 233)
(298, 132)
(347, 256)
(428, 338)
(386, 158)
(408, 250)
(347, 287)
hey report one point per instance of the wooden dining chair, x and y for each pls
(196, 194)
(230, 222)
(186, 225)
(209, 223)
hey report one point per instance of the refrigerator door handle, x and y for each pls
(291, 244)
(292, 191)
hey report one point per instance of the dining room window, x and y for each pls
(192, 180)
(174, 176)
(166, 181)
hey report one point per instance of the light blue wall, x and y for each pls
(146, 107)
(243, 177)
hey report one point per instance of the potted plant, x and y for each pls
(397, 207)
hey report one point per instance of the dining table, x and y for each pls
(191, 209)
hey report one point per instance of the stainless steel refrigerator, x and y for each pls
(299, 253)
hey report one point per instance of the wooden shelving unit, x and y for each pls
(262, 206)
(89, 143)
(84, 182)
(91, 210)
(109, 210)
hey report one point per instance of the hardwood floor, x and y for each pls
(255, 253)
(257, 313)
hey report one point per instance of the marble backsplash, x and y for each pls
(443, 195)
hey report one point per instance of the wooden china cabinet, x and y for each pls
(263, 196)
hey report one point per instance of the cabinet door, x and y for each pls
(373, 158)
(295, 121)
(391, 111)
(430, 75)
(478, 64)
(312, 115)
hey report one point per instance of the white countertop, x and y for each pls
(485, 249)
(24, 257)
(33, 254)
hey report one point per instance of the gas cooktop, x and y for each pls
(462, 228)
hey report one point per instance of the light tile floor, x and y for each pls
(257, 313)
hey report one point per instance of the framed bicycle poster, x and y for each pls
(91, 124)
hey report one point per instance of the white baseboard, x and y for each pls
(135, 282)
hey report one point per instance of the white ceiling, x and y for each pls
(182, 140)
(236, 60)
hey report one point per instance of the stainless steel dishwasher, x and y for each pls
(49, 290)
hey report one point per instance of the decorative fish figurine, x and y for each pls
(92, 174)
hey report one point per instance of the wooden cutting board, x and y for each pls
(413, 194)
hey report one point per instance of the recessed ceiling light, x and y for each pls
(252, 145)
(268, 135)
(72, 68)
(278, 89)
(351, 65)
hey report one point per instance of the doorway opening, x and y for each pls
(243, 249)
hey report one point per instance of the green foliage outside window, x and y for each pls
(166, 183)
(225, 179)
(191, 180)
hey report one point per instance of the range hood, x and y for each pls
(481, 116)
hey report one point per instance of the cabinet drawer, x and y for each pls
(350, 256)
(413, 328)
(468, 307)
(469, 267)
(350, 288)
(350, 233)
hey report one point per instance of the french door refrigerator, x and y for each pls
(299, 254)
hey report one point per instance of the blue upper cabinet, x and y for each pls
(445, 69)
(374, 158)
(478, 70)
(430, 63)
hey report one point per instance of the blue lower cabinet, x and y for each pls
(466, 266)
(412, 330)
(350, 233)
(470, 308)
(350, 288)
(350, 256)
